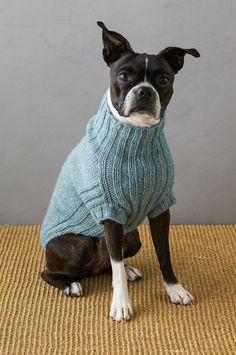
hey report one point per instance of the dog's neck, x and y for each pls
(136, 119)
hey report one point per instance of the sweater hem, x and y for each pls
(163, 206)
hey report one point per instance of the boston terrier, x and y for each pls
(119, 173)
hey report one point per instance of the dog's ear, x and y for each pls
(175, 56)
(114, 45)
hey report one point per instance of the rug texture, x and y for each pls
(36, 318)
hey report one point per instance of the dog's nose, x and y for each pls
(145, 92)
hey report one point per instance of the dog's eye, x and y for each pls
(163, 81)
(124, 76)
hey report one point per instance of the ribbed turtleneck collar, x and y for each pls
(146, 133)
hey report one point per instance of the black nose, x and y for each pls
(145, 92)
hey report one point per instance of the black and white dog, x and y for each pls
(141, 86)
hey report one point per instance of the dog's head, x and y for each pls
(140, 84)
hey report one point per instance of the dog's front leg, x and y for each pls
(121, 309)
(160, 236)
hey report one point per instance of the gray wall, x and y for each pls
(52, 78)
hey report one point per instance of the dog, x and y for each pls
(120, 173)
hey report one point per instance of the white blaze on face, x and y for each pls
(146, 65)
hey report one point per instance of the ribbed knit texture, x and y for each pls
(118, 172)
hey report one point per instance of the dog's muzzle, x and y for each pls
(143, 99)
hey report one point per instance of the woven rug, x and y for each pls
(36, 318)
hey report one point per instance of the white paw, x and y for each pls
(133, 274)
(178, 294)
(66, 291)
(120, 310)
(74, 290)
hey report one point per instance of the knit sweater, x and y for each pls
(118, 171)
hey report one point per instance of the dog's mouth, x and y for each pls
(146, 110)
(141, 110)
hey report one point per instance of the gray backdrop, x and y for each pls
(52, 78)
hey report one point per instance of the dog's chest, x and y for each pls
(137, 177)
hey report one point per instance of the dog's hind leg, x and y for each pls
(131, 243)
(68, 259)
(63, 283)
(131, 246)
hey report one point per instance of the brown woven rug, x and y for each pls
(35, 318)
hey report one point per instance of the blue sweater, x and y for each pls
(118, 172)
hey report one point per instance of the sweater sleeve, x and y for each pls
(163, 205)
(108, 211)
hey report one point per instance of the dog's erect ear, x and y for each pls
(114, 45)
(175, 56)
